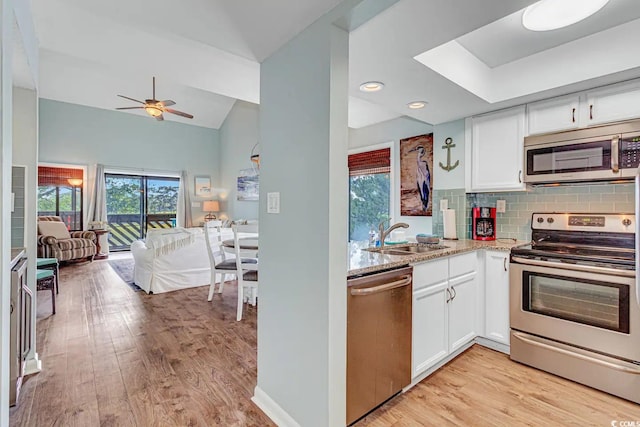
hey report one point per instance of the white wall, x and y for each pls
(393, 131)
(455, 178)
(74, 134)
(238, 135)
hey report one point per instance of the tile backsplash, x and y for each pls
(457, 200)
(516, 221)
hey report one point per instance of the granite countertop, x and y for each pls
(362, 261)
(16, 255)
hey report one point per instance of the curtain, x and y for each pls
(98, 197)
(184, 202)
(58, 176)
(370, 162)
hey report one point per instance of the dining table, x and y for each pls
(248, 243)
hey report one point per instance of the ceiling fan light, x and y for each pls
(547, 15)
(153, 111)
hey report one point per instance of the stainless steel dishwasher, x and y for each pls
(378, 339)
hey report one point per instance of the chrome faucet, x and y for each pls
(384, 233)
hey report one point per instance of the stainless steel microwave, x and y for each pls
(602, 153)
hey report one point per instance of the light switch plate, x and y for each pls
(501, 206)
(444, 204)
(273, 203)
(195, 204)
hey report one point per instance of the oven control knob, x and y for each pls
(540, 220)
(550, 220)
(626, 222)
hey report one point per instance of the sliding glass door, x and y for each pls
(137, 203)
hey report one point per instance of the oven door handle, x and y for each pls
(625, 369)
(574, 267)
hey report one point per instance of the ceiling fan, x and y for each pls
(154, 107)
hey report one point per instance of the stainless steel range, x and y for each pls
(574, 304)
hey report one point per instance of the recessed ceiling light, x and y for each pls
(371, 86)
(416, 105)
(547, 15)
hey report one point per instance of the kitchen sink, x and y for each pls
(407, 250)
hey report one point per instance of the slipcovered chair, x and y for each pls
(55, 241)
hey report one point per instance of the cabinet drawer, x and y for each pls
(462, 264)
(430, 272)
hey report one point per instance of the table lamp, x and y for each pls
(210, 206)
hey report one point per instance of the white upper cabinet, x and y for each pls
(612, 103)
(495, 157)
(554, 114)
(593, 107)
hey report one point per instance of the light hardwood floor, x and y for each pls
(115, 357)
(483, 387)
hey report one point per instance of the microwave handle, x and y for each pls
(615, 153)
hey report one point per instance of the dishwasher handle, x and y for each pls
(406, 280)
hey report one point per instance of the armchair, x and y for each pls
(55, 241)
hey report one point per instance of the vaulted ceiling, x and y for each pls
(206, 54)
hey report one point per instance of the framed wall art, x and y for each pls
(203, 186)
(416, 178)
(248, 188)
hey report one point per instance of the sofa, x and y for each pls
(172, 259)
(55, 241)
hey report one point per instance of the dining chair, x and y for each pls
(213, 240)
(244, 247)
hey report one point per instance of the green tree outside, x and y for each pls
(368, 203)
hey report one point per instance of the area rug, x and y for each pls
(124, 269)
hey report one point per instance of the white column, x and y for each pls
(25, 153)
(6, 52)
(303, 249)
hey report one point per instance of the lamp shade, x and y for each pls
(211, 206)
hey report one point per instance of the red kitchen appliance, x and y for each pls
(483, 223)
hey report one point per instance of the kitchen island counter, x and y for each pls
(362, 261)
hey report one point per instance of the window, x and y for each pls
(136, 203)
(369, 191)
(60, 194)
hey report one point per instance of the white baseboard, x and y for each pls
(33, 366)
(272, 409)
(493, 345)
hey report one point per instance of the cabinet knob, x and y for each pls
(626, 222)
(540, 220)
(591, 112)
(550, 220)
(520, 177)
(573, 115)
(504, 263)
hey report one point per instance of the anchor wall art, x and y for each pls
(416, 175)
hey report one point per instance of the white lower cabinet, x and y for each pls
(496, 282)
(430, 327)
(462, 311)
(444, 309)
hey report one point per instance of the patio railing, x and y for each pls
(125, 229)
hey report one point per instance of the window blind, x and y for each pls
(57, 176)
(370, 162)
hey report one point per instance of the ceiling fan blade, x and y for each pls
(168, 103)
(159, 118)
(130, 99)
(179, 113)
(129, 108)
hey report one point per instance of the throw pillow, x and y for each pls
(56, 229)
